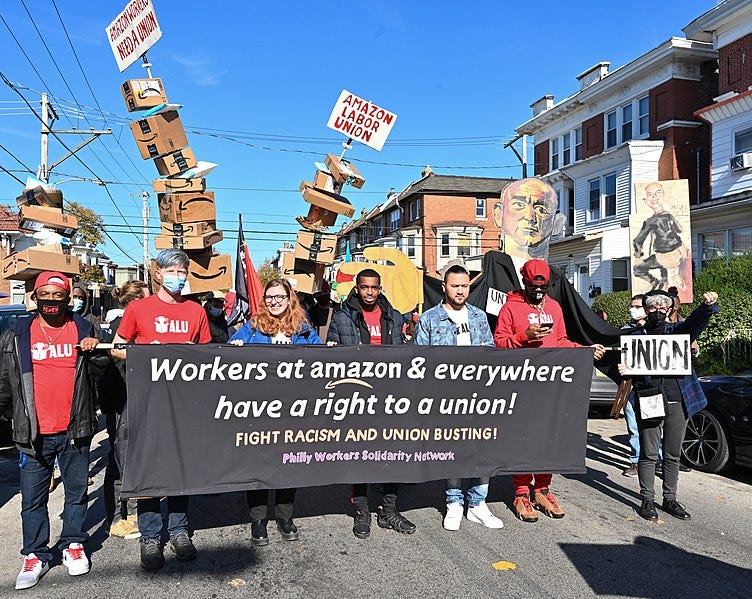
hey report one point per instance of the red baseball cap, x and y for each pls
(535, 269)
(49, 277)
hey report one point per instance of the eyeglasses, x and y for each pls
(275, 299)
(662, 309)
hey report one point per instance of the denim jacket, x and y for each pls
(436, 328)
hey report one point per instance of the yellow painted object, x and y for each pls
(504, 566)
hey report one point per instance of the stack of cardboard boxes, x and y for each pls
(186, 210)
(314, 249)
(41, 208)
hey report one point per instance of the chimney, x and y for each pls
(427, 171)
(542, 105)
(391, 193)
(593, 74)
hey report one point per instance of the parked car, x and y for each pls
(721, 434)
(602, 390)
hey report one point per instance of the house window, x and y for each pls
(463, 245)
(741, 241)
(445, 245)
(626, 122)
(378, 227)
(394, 218)
(713, 246)
(594, 207)
(611, 129)
(413, 210)
(578, 143)
(643, 112)
(480, 208)
(620, 275)
(566, 149)
(742, 142)
(609, 198)
(411, 246)
(554, 153)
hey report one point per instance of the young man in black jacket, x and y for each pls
(367, 318)
(46, 378)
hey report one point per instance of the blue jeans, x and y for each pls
(36, 473)
(634, 434)
(476, 493)
(150, 516)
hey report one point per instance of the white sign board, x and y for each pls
(133, 32)
(494, 301)
(662, 355)
(361, 120)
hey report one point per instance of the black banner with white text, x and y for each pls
(212, 419)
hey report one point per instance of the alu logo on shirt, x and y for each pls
(44, 351)
(162, 324)
(540, 318)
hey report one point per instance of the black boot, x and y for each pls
(259, 538)
(647, 510)
(362, 524)
(287, 529)
(387, 518)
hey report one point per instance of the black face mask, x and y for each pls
(655, 321)
(51, 307)
(535, 295)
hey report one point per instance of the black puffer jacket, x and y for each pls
(348, 327)
(17, 386)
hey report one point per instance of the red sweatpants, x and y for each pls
(522, 482)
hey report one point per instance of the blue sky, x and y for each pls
(259, 80)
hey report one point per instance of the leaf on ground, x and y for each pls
(237, 582)
(502, 565)
(630, 519)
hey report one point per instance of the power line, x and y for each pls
(11, 174)
(12, 155)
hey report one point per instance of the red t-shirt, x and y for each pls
(151, 319)
(53, 359)
(373, 322)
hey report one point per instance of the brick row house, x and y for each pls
(722, 225)
(435, 220)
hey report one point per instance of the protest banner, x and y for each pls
(133, 32)
(361, 120)
(666, 355)
(212, 419)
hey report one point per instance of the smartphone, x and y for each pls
(546, 326)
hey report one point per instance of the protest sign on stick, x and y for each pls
(666, 355)
(361, 120)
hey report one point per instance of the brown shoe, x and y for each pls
(631, 471)
(546, 503)
(523, 509)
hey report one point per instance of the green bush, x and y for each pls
(616, 305)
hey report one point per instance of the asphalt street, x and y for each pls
(601, 548)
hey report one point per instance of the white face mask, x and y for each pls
(636, 313)
(78, 304)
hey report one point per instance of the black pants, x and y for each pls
(284, 499)
(387, 493)
(672, 426)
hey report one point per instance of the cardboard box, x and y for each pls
(33, 218)
(174, 185)
(318, 219)
(315, 246)
(175, 163)
(159, 134)
(140, 94)
(39, 196)
(187, 207)
(304, 276)
(205, 273)
(326, 199)
(183, 242)
(323, 180)
(344, 171)
(27, 264)
(189, 229)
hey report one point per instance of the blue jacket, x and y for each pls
(692, 395)
(436, 328)
(247, 334)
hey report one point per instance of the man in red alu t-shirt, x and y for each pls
(531, 319)
(48, 382)
(165, 317)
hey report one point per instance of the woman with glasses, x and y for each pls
(280, 319)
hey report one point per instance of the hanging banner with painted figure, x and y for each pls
(527, 216)
(661, 238)
(213, 419)
(361, 120)
(133, 32)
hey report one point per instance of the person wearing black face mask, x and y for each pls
(681, 396)
(46, 375)
(215, 316)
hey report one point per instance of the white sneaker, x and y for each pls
(482, 515)
(32, 570)
(74, 558)
(453, 516)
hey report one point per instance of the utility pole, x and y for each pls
(43, 173)
(523, 158)
(144, 195)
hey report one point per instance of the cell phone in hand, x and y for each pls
(546, 326)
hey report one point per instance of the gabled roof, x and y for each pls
(8, 221)
(453, 184)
